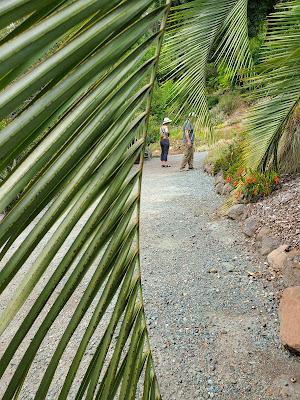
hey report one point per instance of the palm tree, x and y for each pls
(278, 90)
(201, 30)
(77, 78)
(206, 29)
(76, 81)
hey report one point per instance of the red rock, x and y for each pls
(289, 314)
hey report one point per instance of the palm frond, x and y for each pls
(201, 30)
(80, 116)
(289, 145)
(278, 85)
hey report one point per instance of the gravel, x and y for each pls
(213, 324)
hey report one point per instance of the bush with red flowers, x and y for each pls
(253, 185)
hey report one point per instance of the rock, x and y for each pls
(236, 212)
(278, 258)
(262, 232)
(268, 244)
(219, 188)
(227, 188)
(291, 271)
(286, 197)
(1, 217)
(250, 226)
(289, 314)
(219, 178)
(208, 168)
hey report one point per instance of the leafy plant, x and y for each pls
(278, 85)
(220, 34)
(253, 185)
(212, 101)
(227, 156)
(85, 107)
(229, 102)
(193, 35)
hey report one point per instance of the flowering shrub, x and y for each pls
(250, 185)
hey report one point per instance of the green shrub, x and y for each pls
(217, 115)
(212, 100)
(228, 158)
(229, 102)
(153, 130)
(224, 77)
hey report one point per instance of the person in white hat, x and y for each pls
(165, 142)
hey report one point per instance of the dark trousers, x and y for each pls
(165, 145)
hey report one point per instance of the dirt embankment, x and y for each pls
(280, 212)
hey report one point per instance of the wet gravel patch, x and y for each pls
(213, 327)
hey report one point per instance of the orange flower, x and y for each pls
(248, 180)
(228, 179)
(276, 180)
(254, 180)
(235, 183)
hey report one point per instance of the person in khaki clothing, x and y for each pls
(188, 140)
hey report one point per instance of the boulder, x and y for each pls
(227, 188)
(219, 178)
(278, 258)
(208, 168)
(219, 188)
(262, 233)
(268, 244)
(250, 226)
(236, 212)
(289, 315)
(291, 271)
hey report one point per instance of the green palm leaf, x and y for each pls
(278, 84)
(81, 109)
(200, 30)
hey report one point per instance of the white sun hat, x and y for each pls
(167, 120)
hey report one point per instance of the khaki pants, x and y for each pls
(188, 156)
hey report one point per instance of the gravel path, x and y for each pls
(214, 329)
